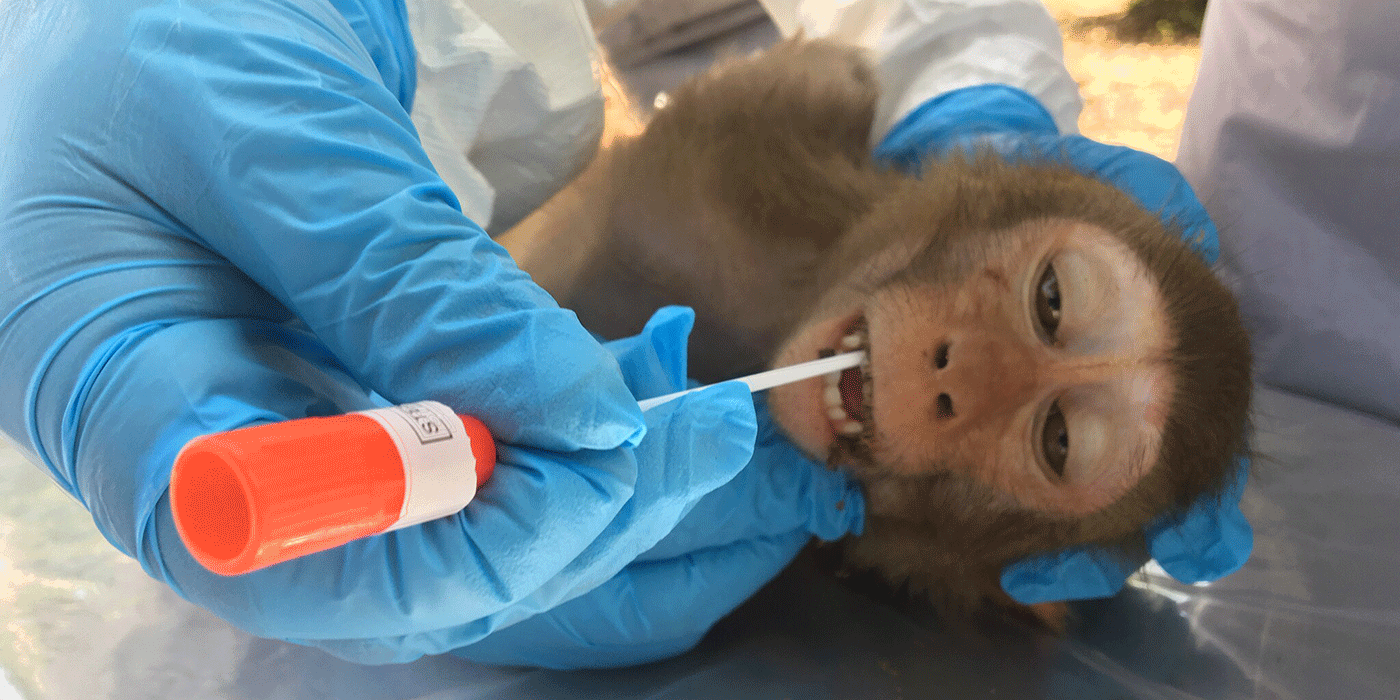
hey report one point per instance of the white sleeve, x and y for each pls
(1292, 141)
(507, 105)
(924, 48)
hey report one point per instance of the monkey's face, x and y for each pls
(1031, 361)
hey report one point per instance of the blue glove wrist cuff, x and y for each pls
(962, 117)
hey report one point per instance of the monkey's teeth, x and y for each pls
(855, 340)
(841, 422)
(832, 393)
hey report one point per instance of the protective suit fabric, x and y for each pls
(926, 48)
(218, 214)
(508, 106)
(1213, 538)
(1292, 139)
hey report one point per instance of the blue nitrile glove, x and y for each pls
(215, 214)
(731, 543)
(1213, 538)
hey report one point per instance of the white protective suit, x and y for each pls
(1292, 141)
(509, 107)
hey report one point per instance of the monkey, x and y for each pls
(1047, 363)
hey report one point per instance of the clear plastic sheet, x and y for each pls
(1312, 615)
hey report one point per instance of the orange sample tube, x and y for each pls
(257, 496)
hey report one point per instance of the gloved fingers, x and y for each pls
(956, 117)
(537, 515)
(1212, 543)
(781, 490)
(1212, 540)
(694, 444)
(700, 442)
(1155, 183)
(834, 503)
(1077, 573)
(648, 611)
(1016, 125)
(336, 210)
(653, 362)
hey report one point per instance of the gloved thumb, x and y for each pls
(780, 491)
(649, 611)
(1211, 540)
(1078, 573)
(653, 362)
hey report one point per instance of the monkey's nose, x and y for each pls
(976, 377)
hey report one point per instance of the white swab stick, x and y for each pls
(779, 376)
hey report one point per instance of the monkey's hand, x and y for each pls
(730, 543)
(1212, 538)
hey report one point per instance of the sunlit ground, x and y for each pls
(1134, 94)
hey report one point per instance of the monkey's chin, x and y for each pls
(817, 413)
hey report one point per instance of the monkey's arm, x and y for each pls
(725, 203)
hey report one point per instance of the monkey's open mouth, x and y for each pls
(847, 393)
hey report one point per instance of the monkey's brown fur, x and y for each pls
(754, 190)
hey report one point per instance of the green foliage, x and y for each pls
(1164, 21)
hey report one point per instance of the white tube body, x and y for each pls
(439, 469)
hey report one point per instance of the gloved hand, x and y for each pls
(218, 214)
(1212, 539)
(733, 541)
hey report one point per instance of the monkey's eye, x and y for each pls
(1047, 302)
(1054, 440)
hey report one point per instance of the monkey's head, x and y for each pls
(1048, 365)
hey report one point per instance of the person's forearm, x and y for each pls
(925, 49)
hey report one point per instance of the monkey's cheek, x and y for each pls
(816, 335)
(800, 408)
(797, 409)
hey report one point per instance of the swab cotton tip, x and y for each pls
(778, 377)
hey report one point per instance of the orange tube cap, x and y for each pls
(257, 496)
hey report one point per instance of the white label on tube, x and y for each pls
(439, 470)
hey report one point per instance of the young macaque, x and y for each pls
(1048, 364)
